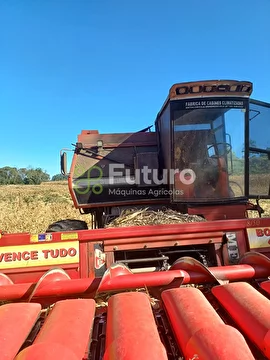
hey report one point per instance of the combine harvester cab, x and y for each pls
(208, 156)
(196, 287)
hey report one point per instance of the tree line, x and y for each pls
(26, 176)
(259, 164)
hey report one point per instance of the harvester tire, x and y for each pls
(67, 225)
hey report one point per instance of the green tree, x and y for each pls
(59, 177)
(259, 164)
(36, 176)
(10, 175)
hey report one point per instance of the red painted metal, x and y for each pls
(50, 277)
(120, 280)
(135, 237)
(163, 240)
(199, 331)
(131, 232)
(86, 267)
(16, 322)
(5, 280)
(131, 330)
(264, 251)
(115, 140)
(110, 282)
(69, 325)
(249, 309)
(192, 265)
(61, 288)
(265, 285)
(45, 351)
(255, 258)
(212, 213)
(172, 229)
(24, 275)
(128, 280)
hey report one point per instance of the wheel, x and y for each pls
(67, 225)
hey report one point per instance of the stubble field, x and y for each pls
(32, 208)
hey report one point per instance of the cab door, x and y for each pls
(258, 168)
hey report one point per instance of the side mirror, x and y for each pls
(63, 163)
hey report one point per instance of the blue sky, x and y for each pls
(68, 65)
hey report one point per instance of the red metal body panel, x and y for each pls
(183, 323)
(82, 273)
(149, 231)
(65, 333)
(16, 322)
(121, 146)
(47, 285)
(23, 276)
(212, 213)
(131, 330)
(162, 240)
(119, 281)
(67, 325)
(249, 309)
(265, 285)
(60, 288)
(199, 330)
(46, 351)
(131, 281)
(88, 138)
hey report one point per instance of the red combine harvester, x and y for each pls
(195, 290)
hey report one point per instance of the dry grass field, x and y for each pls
(32, 208)
(259, 184)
